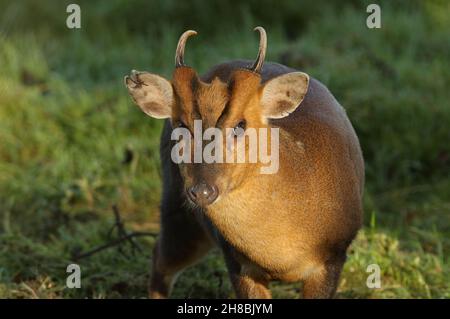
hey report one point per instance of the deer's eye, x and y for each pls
(239, 129)
(181, 124)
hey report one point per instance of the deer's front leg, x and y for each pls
(247, 287)
(248, 282)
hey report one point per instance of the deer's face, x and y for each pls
(214, 123)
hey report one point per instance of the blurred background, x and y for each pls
(72, 144)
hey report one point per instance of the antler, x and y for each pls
(179, 53)
(262, 50)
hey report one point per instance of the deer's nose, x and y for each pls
(203, 194)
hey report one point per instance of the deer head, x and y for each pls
(231, 107)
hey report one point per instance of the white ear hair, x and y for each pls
(152, 93)
(283, 94)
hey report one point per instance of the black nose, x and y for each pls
(203, 194)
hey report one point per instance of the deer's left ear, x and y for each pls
(283, 94)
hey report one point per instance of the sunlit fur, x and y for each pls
(294, 225)
(222, 105)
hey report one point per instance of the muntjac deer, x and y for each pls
(292, 225)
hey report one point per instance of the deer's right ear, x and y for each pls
(152, 93)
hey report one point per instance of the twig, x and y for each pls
(114, 243)
(122, 231)
(123, 236)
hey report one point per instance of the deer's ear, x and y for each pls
(152, 93)
(283, 94)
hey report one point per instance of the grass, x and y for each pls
(73, 144)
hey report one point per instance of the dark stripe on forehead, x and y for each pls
(194, 88)
(223, 116)
(196, 110)
(226, 109)
(194, 84)
(230, 87)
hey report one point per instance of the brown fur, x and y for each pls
(292, 226)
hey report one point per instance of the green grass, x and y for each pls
(72, 144)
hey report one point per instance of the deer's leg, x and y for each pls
(322, 284)
(248, 282)
(250, 287)
(182, 242)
